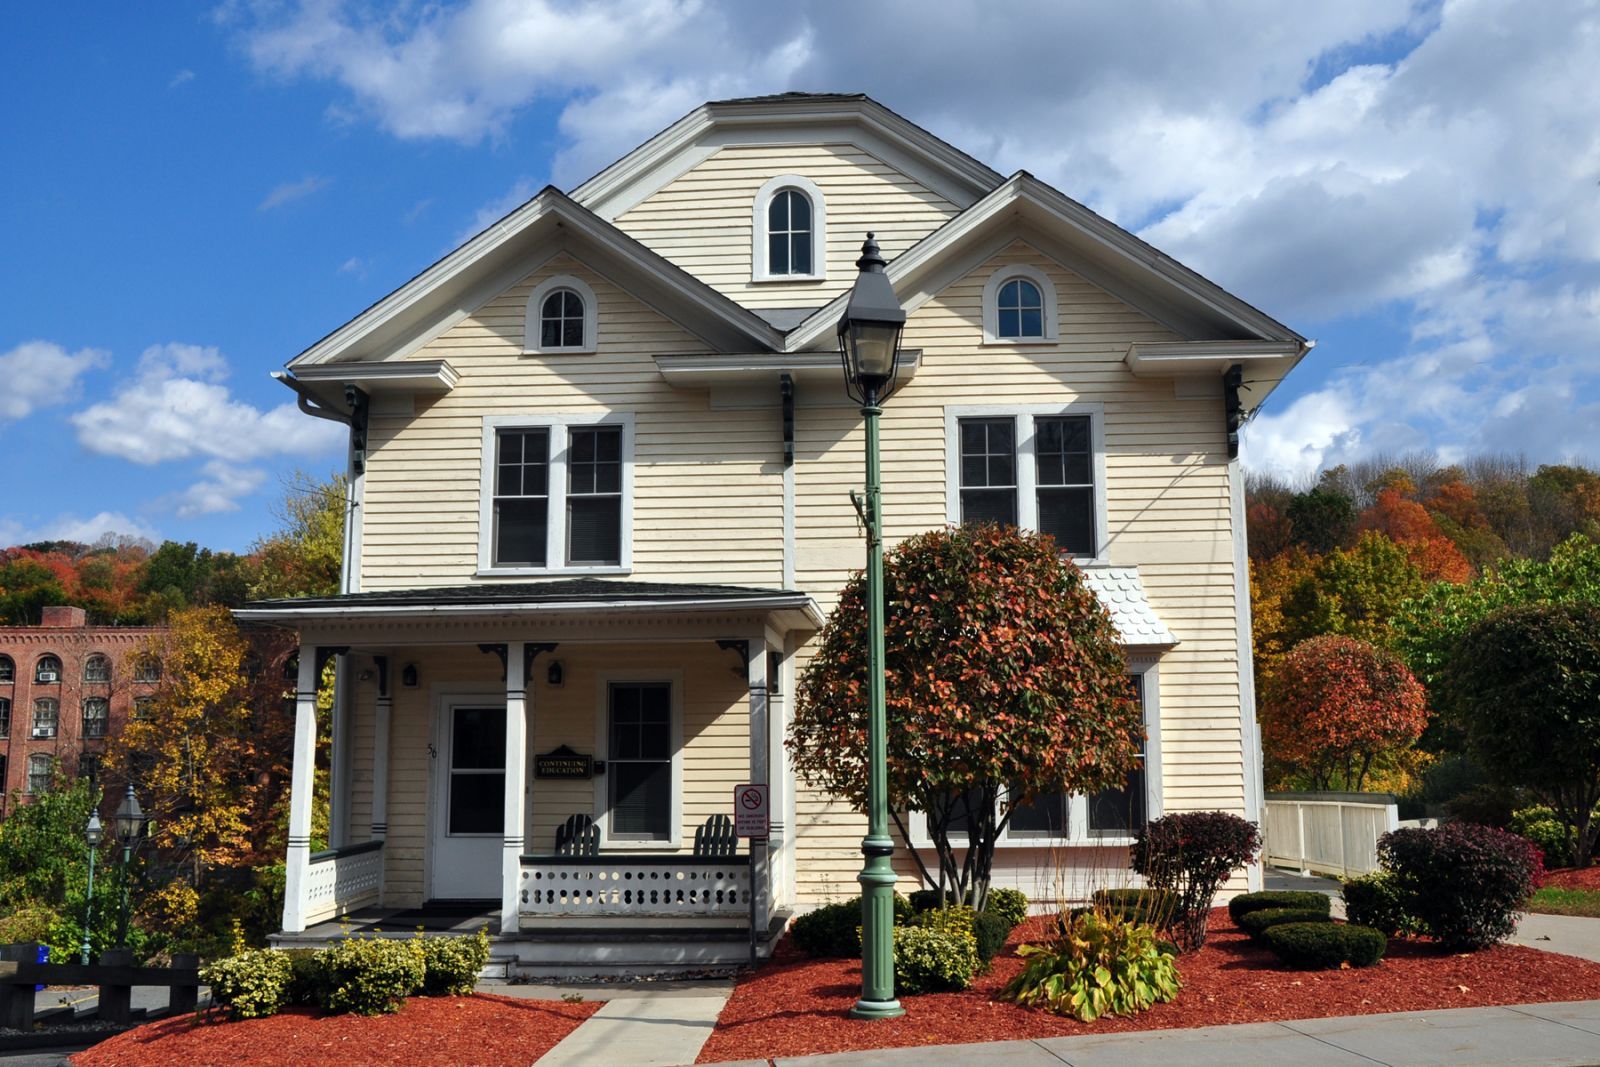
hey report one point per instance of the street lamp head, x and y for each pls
(869, 331)
(130, 818)
(94, 833)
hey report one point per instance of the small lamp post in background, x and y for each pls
(869, 346)
(93, 834)
(130, 821)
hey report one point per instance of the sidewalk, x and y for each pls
(641, 1024)
(1535, 1035)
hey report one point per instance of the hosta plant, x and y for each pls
(1097, 966)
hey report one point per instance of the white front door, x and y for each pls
(469, 802)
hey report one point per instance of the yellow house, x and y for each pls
(600, 462)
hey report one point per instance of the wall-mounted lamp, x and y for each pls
(555, 675)
(408, 676)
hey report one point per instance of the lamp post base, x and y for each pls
(876, 1009)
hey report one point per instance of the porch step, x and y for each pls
(629, 949)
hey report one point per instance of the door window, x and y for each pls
(477, 770)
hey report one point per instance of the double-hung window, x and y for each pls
(96, 716)
(1040, 469)
(557, 494)
(46, 714)
(639, 762)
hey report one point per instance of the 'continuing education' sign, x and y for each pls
(563, 763)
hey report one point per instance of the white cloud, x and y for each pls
(220, 490)
(176, 408)
(182, 77)
(289, 192)
(354, 265)
(68, 527)
(41, 373)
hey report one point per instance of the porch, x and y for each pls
(474, 729)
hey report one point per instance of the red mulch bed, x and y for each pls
(796, 1006)
(479, 1029)
(1574, 878)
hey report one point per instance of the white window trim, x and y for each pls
(531, 332)
(1027, 468)
(557, 529)
(1078, 805)
(991, 306)
(819, 230)
(602, 751)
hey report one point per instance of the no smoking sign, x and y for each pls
(750, 813)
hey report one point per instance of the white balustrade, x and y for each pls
(1328, 833)
(687, 886)
(340, 880)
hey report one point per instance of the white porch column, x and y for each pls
(339, 757)
(383, 712)
(778, 779)
(516, 773)
(300, 785)
(761, 868)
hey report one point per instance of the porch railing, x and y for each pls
(690, 886)
(1328, 833)
(343, 879)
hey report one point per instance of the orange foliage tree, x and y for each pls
(1337, 705)
(1408, 524)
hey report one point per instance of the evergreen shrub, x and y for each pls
(1256, 923)
(251, 985)
(928, 960)
(1277, 898)
(1325, 945)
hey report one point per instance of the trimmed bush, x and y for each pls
(251, 985)
(1325, 945)
(990, 931)
(451, 965)
(932, 961)
(1009, 904)
(1304, 900)
(833, 931)
(1255, 923)
(1464, 883)
(305, 975)
(1099, 966)
(1190, 854)
(1155, 907)
(1376, 900)
(370, 975)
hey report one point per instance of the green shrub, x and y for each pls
(31, 922)
(833, 930)
(1464, 883)
(1153, 907)
(1009, 904)
(1099, 966)
(1376, 900)
(1544, 828)
(1190, 854)
(452, 964)
(932, 961)
(370, 975)
(1245, 903)
(1325, 944)
(250, 985)
(990, 932)
(957, 920)
(305, 975)
(1255, 923)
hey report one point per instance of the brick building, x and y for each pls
(65, 688)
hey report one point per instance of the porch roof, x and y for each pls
(585, 597)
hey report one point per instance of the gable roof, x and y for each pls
(499, 255)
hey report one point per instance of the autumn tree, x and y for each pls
(1525, 682)
(1006, 682)
(1335, 707)
(305, 556)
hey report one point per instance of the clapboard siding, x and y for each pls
(702, 220)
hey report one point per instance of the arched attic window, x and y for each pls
(560, 317)
(8, 670)
(97, 668)
(789, 231)
(1019, 307)
(47, 671)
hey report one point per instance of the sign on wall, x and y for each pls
(750, 815)
(563, 763)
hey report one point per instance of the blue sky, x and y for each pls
(193, 193)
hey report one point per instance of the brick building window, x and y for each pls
(89, 767)
(97, 669)
(5, 724)
(96, 716)
(147, 669)
(46, 714)
(8, 670)
(47, 671)
(38, 774)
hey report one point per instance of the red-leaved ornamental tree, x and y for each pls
(1335, 705)
(1005, 682)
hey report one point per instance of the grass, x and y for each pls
(1553, 900)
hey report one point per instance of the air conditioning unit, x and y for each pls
(43, 731)
(49, 676)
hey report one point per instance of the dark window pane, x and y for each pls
(594, 530)
(961, 812)
(1043, 815)
(1028, 295)
(778, 253)
(572, 333)
(571, 305)
(641, 799)
(1068, 516)
(989, 505)
(550, 333)
(778, 213)
(1119, 810)
(1010, 323)
(508, 479)
(479, 741)
(520, 532)
(801, 262)
(799, 211)
(552, 305)
(477, 803)
(1032, 324)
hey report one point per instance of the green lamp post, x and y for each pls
(130, 820)
(869, 346)
(93, 834)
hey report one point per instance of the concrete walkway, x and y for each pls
(1539, 1035)
(1571, 935)
(641, 1024)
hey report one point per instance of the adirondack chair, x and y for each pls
(578, 836)
(715, 838)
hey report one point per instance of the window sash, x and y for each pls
(38, 774)
(96, 717)
(561, 320)
(556, 495)
(522, 497)
(97, 669)
(48, 664)
(987, 459)
(8, 670)
(639, 777)
(5, 721)
(46, 718)
(1050, 479)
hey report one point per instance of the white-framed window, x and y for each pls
(1020, 307)
(561, 316)
(8, 671)
(789, 231)
(97, 668)
(46, 715)
(96, 716)
(47, 671)
(557, 494)
(639, 735)
(1040, 467)
(1105, 818)
(147, 669)
(39, 774)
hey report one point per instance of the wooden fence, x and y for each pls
(1328, 833)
